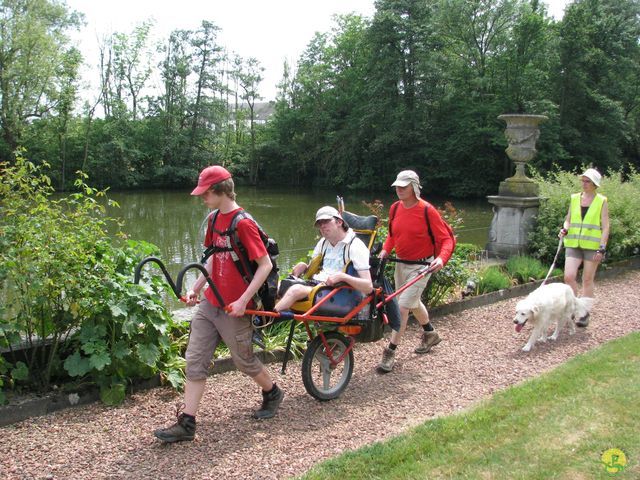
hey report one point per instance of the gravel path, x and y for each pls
(480, 353)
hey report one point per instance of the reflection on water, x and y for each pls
(173, 220)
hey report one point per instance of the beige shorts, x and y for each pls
(581, 253)
(210, 325)
(410, 298)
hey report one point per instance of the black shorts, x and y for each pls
(290, 280)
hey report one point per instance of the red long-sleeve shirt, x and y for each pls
(409, 236)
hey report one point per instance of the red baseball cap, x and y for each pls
(210, 176)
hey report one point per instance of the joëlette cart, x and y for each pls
(335, 318)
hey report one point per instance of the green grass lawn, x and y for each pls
(556, 426)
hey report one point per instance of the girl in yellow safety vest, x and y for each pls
(585, 231)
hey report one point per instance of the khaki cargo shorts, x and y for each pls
(410, 298)
(210, 325)
(581, 253)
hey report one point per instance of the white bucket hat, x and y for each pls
(593, 175)
(407, 177)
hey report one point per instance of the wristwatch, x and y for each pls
(602, 249)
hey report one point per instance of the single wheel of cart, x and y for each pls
(327, 365)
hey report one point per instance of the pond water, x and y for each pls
(173, 220)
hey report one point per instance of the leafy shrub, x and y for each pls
(68, 288)
(624, 216)
(444, 283)
(469, 252)
(491, 279)
(525, 269)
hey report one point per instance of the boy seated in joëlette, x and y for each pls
(338, 243)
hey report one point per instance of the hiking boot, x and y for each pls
(583, 321)
(270, 402)
(388, 360)
(184, 429)
(428, 340)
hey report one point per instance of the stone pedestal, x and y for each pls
(513, 219)
(516, 207)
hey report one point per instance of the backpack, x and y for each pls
(452, 235)
(267, 292)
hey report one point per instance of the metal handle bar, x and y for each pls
(138, 274)
(177, 286)
(204, 272)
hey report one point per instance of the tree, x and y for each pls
(599, 91)
(249, 76)
(33, 44)
(68, 76)
(205, 109)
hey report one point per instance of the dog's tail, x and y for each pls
(583, 306)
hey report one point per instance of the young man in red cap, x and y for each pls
(214, 322)
(409, 237)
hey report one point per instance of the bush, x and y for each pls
(525, 269)
(491, 279)
(452, 276)
(624, 216)
(469, 252)
(69, 296)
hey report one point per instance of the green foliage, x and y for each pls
(468, 251)
(491, 279)
(419, 85)
(599, 51)
(624, 217)
(69, 293)
(525, 269)
(444, 283)
(39, 67)
(275, 338)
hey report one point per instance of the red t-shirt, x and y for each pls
(225, 274)
(410, 236)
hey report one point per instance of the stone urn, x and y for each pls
(522, 133)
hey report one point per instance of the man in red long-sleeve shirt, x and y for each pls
(409, 236)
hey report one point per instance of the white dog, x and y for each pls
(549, 303)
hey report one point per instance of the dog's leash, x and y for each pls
(554, 261)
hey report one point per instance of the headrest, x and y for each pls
(360, 222)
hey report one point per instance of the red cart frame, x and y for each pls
(327, 364)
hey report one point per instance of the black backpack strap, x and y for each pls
(213, 248)
(242, 261)
(238, 252)
(426, 218)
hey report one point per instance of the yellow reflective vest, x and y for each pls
(585, 232)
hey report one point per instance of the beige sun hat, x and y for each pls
(408, 177)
